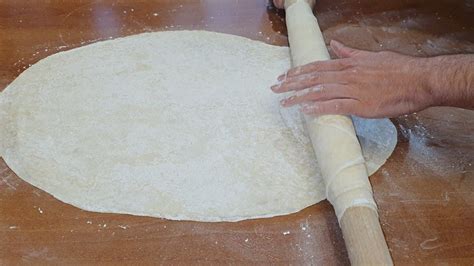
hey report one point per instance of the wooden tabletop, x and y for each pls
(425, 192)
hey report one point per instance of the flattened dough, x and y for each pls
(180, 125)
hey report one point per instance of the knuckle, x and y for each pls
(320, 88)
(346, 63)
(315, 78)
(312, 91)
(359, 67)
(313, 108)
(350, 75)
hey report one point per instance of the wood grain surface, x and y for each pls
(425, 192)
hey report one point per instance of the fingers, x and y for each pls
(309, 80)
(343, 51)
(331, 107)
(308, 75)
(318, 93)
(330, 65)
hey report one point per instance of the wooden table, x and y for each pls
(425, 191)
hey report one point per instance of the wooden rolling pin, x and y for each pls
(338, 151)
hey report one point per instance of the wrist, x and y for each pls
(433, 80)
(425, 74)
(450, 79)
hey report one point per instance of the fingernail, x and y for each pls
(285, 102)
(316, 88)
(275, 87)
(281, 77)
(336, 43)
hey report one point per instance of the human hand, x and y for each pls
(362, 83)
(279, 3)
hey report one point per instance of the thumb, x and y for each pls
(343, 51)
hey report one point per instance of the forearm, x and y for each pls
(451, 80)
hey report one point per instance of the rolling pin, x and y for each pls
(338, 151)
